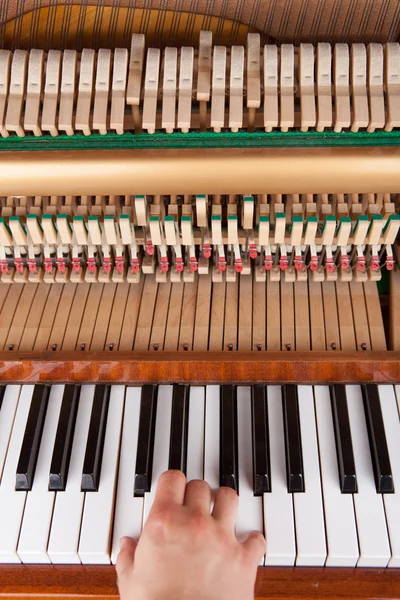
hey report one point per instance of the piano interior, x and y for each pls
(199, 269)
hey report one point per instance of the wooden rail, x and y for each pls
(200, 367)
(279, 583)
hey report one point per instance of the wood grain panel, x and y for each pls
(280, 583)
(200, 367)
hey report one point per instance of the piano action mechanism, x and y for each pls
(204, 198)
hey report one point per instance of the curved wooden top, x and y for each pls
(200, 367)
(302, 22)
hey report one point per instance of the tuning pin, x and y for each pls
(149, 248)
(206, 250)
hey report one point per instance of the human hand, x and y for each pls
(187, 553)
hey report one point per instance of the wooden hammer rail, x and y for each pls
(200, 367)
(278, 583)
(206, 171)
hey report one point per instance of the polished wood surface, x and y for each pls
(211, 170)
(36, 581)
(200, 367)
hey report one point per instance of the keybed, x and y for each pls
(196, 316)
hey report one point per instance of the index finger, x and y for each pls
(170, 489)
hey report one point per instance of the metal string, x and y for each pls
(108, 24)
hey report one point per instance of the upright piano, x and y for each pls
(199, 270)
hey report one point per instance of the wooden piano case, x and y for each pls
(283, 583)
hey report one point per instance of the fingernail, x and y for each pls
(124, 542)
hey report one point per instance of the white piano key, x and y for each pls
(68, 508)
(211, 438)
(392, 501)
(161, 444)
(195, 450)
(370, 516)
(12, 503)
(340, 523)
(397, 390)
(128, 509)
(250, 513)
(278, 504)
(32, 545)
(94, 544)
(308, 508)
(7, 415)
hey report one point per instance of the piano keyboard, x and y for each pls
(317, 468)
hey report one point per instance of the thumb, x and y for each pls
(126, 556)
(255, 546)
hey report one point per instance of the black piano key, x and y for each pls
(64, 437)
(2, 392)
(377, 440)
(261, 458)
(228, 448)
(294, 454)
(95, 441)
(145, 448)
(179, 428)
(32, 438)
(344, 445)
